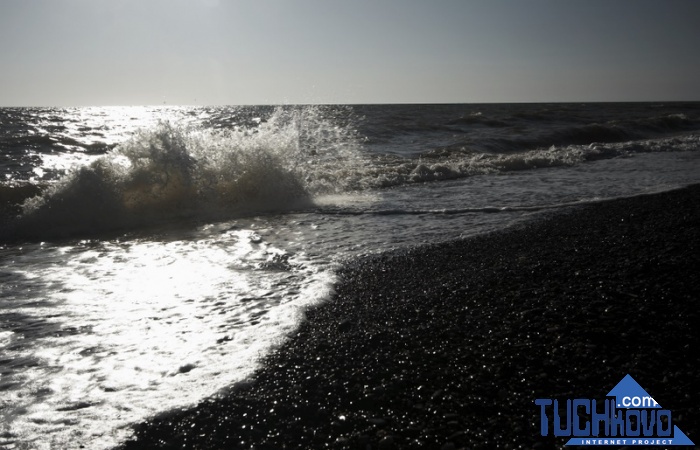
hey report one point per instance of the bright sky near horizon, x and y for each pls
(204, 52)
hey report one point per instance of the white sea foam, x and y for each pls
(107, 333)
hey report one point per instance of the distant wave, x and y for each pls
(571, 134)
(460, 163)
(617, 130)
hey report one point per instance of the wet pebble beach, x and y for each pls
(447, 346)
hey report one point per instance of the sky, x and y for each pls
(234, 52)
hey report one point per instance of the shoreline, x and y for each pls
(448, 345)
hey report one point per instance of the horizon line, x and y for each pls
(219, 105)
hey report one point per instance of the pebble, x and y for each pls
(386, 443)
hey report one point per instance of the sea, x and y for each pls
(151, 256)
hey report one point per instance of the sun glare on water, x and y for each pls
(137, 320)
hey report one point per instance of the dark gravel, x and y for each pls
(448, 346)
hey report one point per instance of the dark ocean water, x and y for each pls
(150, 255)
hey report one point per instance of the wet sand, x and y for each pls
(447, 346)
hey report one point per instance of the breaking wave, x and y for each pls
(172, 172)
